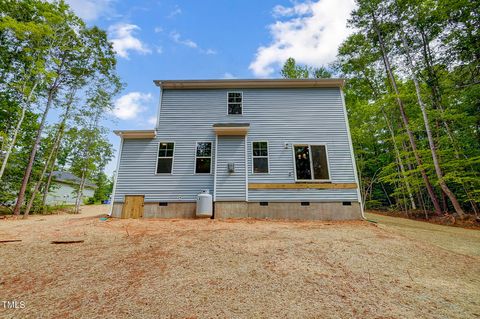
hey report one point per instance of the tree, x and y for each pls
(291, 70)
(64, 58)
(426, 121)
(104, 187)
(413, 92)
(90, 155)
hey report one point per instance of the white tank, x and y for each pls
(204, 204)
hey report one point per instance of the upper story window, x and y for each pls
(165, 157)
(260, 157)
(311, 162)
(203, 157)
(235, 102)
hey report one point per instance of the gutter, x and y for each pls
(249, 83)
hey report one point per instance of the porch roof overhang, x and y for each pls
(135, 133)
(231, 128)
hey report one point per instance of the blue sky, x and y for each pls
(168, 39)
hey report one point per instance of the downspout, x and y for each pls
(246, 168)
(215, 171)
(359, 195)
(116, 176)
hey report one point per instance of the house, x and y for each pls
(64, 189)
(263, 148)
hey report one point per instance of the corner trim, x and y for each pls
(116, 176)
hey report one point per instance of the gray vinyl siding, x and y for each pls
(136, 174)
(278, 116)
(231, 186)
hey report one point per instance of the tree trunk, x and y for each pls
(28, 170)
(80, 193)
(434, 85)
(431, 142)
(405, 120)
(47, 187)
(397, 153)
(52, 154)
(17, 130)
(435, 90)
(400, 162)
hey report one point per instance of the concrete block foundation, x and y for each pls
(154, 210)
(292, 211)
(274, 210)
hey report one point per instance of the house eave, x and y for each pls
(249, 83)
(135, 133)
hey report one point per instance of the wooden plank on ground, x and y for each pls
(67, 241)
(9, 240)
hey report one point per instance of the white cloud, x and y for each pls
(152, 120)
(91, 9)
(159, 50)
(123, 39)
(310, 32)
(298, 9)
(176, 11)
(209, 51)
(177, 38)
(158, 29)
(228, 75)
(128, 106)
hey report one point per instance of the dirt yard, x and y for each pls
(237, 269)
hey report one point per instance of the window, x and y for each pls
(203, 157)
(165, 158)
(311, 162)
(260, 157)
(234, 103)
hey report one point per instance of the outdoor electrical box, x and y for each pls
(231, 167)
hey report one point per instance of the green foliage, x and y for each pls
(444, 39)
(104, 187)
(291, 70)
(50, 56)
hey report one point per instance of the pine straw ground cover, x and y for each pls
(233, 269)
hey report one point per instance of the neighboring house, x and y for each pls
(64, 189)
(263, 148)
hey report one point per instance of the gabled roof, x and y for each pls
(249, 83)
(69, 178)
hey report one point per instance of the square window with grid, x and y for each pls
(235, 103)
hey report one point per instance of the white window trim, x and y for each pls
(268, 158)
(311, 162)
(172, 157)
(210, 157)
(241, 92)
